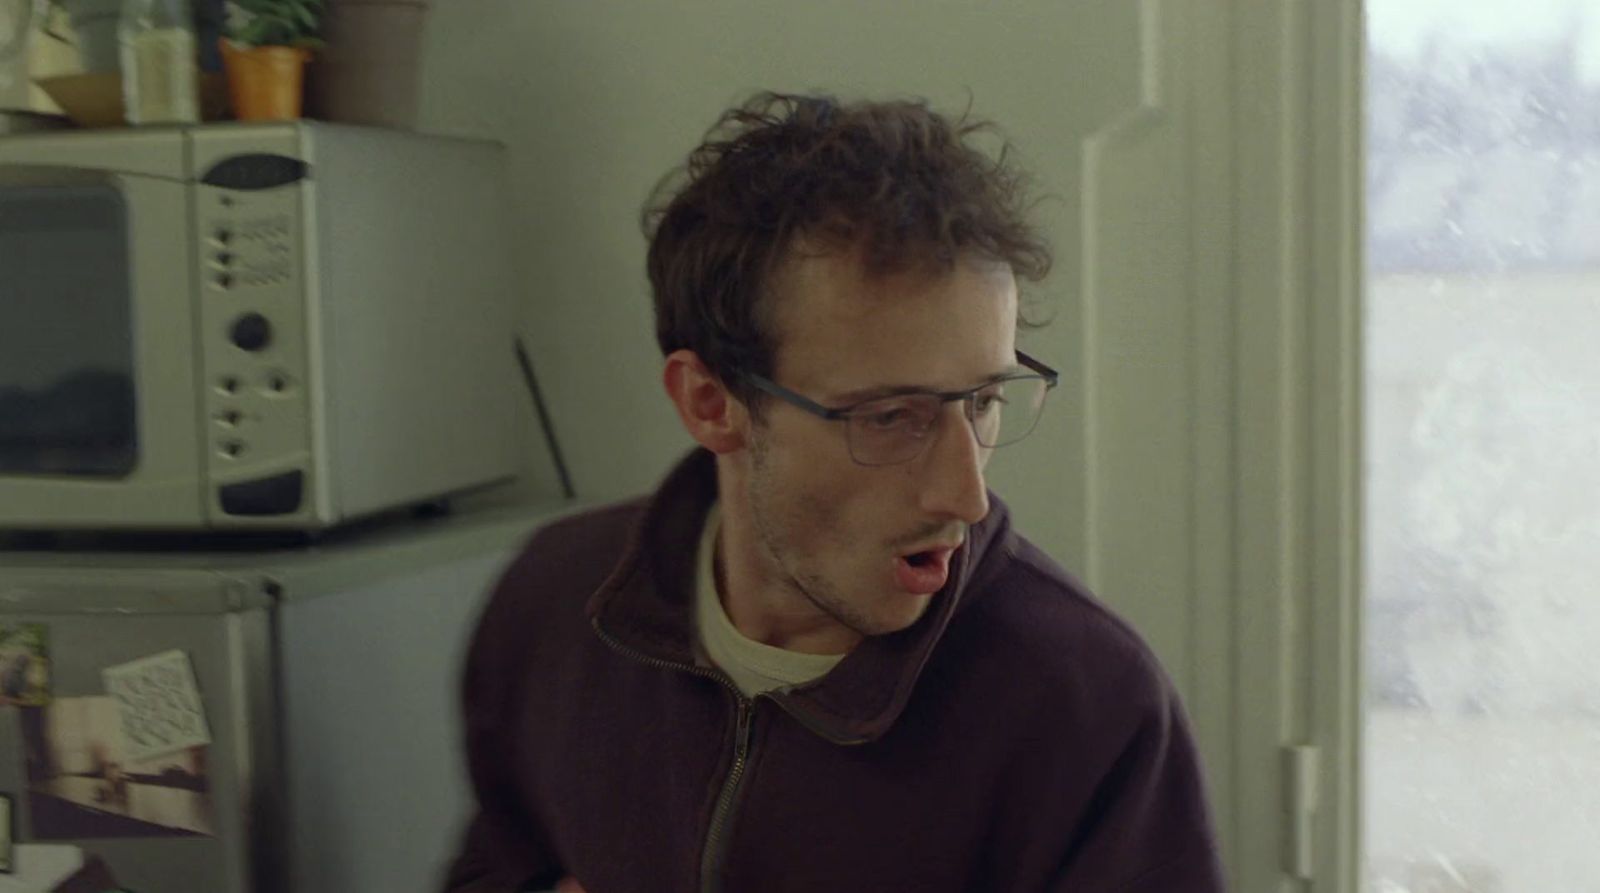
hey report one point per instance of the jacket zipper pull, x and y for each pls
(742, 737)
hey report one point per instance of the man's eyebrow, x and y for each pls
(873, 393)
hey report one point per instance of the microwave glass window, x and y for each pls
(66, 337)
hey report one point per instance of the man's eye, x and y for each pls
(888, 419)
(985, 402)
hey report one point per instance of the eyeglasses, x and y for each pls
(894, 429)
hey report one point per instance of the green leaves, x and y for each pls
(277, 22)
(29, 637)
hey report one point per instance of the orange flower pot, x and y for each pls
(266, 83)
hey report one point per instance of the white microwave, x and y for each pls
(242, 326)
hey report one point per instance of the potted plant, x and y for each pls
(265, 48)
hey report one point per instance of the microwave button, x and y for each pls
(280, 494)
(251, 332)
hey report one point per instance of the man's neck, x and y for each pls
(769, 610)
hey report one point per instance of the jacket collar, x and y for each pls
(646, 606)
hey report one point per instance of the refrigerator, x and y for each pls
(261, 721)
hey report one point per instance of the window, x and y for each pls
(1482, 499)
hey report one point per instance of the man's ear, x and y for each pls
(708, 411)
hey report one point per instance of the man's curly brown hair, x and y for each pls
(893, 180)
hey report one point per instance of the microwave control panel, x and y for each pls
(255, 335)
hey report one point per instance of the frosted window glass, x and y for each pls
(1482, 500)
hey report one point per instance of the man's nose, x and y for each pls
(954, 486)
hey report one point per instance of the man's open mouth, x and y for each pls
(925, 572)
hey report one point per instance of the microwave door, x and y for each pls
(98, 382)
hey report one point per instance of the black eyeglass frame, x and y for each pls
(844, 413)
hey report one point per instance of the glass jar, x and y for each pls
(160, 73)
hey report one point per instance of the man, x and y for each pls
(818, 657)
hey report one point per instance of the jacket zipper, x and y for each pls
(711, 858)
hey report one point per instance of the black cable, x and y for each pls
(544, 416)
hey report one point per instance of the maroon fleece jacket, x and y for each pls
(1017, 737)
